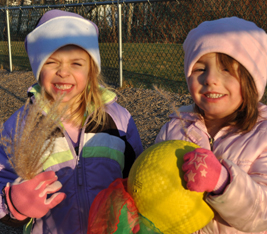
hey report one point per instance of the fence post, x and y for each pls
(120, 42)
(9, 41)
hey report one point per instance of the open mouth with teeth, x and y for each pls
(63, 87)
(214, 95)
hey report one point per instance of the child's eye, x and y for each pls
(225, 69)
(77, 64)
(199, 70)
(50, 62)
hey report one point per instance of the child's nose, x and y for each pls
(63, 70)
(211, 78)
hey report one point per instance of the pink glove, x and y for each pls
(203, 172)
(28, 198)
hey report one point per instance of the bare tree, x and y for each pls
(129, 22)
(113, 17)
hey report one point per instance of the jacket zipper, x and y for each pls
(79, 176)
(79, 172)
(211, 141)
(81, 185)
(81, 194)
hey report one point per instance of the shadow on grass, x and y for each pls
(12, 94)
(146, 81)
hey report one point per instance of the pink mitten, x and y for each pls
(203, 171)
(28, 198)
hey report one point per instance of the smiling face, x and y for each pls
(213, 88)
(66, 72)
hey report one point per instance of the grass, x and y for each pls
(27, 154)
(20, 59)
(144, 64)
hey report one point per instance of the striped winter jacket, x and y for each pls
(102, 156)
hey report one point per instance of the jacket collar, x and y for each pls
(34, 92)
(188, 113)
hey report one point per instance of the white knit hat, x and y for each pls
(58, 28)
(238, 38)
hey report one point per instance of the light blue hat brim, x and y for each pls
(57, 32)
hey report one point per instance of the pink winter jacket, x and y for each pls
(242, 208)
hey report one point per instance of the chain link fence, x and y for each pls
(152, 33)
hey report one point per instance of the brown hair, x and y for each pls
(89, 102)
(245, 117)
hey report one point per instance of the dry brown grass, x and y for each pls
(35, 135)
(172, 107)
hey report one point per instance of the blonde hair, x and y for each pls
(89, 102)
(245, 117)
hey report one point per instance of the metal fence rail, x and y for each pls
(140, 40)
